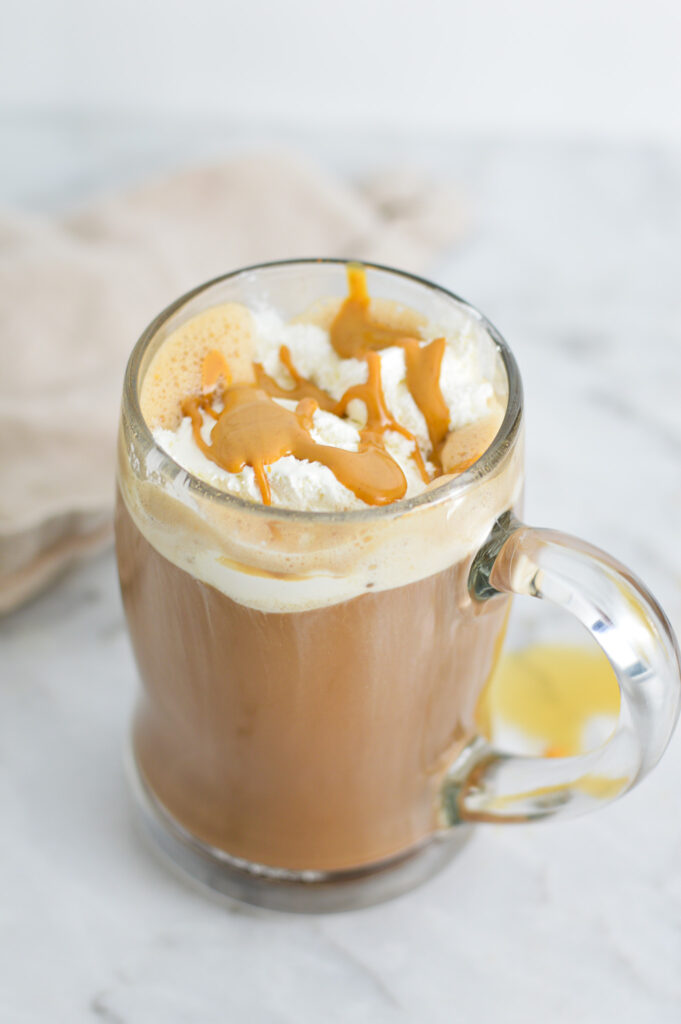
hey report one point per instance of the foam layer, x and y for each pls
(175, 371)
(291, 565)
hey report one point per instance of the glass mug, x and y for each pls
(305, 737)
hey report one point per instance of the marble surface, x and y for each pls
(574, 252)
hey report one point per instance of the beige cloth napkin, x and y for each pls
(75, 294)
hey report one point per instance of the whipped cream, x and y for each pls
(465, 382)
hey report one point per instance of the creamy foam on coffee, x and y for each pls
(354, 404)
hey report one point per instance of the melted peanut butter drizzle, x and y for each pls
(353, 331)
(302, 387)
(214, 367)
(423, 380)
(253, 430)
(379, 417)
(354, 334)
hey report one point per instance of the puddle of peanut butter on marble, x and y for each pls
(550, 693)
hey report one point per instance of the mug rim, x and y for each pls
(483, 467)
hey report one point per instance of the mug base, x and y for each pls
(299, 892)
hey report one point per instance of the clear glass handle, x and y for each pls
(625, 619)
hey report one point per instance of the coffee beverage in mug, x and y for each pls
(317, 544)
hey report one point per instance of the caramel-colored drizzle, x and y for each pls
(354, 333)
(213, 368)
(423, 380)
(253, 430)
(302, 387)
(379, 417)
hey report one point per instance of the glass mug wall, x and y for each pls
(305, 736)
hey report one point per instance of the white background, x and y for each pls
(603, 68)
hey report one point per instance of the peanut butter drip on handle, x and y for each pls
(252, 429)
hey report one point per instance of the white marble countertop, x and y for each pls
(574, 252)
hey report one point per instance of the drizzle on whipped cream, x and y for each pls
(364, 413)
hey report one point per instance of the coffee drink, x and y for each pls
(296, 522)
